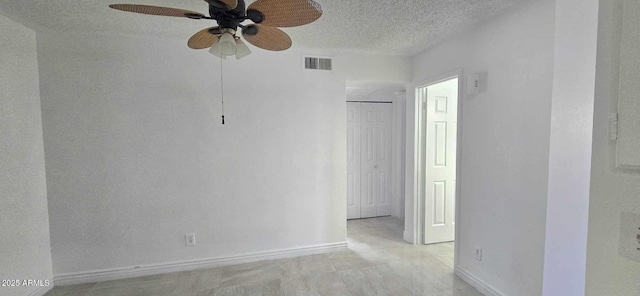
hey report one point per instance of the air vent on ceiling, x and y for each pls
(316, 63)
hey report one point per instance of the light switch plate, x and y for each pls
(629, 245)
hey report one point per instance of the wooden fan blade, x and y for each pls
(269, 38)
(204, 38)
(155, 10)
(287, 13)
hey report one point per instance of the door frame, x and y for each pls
(415, 198)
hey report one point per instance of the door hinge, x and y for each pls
(613, 127)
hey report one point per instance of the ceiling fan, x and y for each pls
(265, 15)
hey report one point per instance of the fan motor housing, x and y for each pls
(228, 19)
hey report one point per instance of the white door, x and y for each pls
(353, 161)
(441, 129)
(369, 160)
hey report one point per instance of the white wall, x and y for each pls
(137, 157)
(366, 67)
(612, 191)
(570, 148)
(504, 145)
(24, 220)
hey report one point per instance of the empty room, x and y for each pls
(448, 148)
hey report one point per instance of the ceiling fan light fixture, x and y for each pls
(215, 50)
(243, 49)
(266, 15)
(227, 44)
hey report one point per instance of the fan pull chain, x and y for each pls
(222, 88)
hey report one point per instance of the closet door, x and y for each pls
(375, 149)
(353, 160)
(383, 168)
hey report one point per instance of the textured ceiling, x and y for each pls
(400, 27)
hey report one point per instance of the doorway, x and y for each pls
(369, 127)
(438, 132)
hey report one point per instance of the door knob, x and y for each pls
(375, 166)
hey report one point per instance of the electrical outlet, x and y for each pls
(629, 244)
(478, 254)
(190, 239)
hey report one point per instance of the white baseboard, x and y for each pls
(40, 291)
(152, 269)
(481, 286)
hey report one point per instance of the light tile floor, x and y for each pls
(378, 262)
